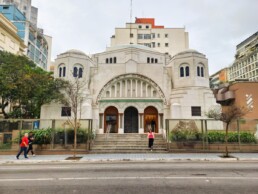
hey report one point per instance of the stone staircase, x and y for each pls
(127, 143)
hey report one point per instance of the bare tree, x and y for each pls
(229, 114)
(73, 99)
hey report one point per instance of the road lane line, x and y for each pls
(130, 178)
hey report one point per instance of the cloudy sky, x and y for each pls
(215, 26)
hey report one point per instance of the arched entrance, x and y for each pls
(111, 119)
(131, 120)
(151, 119)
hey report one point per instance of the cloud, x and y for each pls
(215, 27)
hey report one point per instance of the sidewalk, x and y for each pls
(169, 157)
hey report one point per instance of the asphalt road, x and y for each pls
(131, 177)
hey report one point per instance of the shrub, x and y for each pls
(219, 136)
(184, 135)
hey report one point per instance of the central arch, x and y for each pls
(131, 120)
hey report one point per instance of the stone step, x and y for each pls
(126, 143)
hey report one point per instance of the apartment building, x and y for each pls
(9, 40)
(245, 65)
(145, 32)
(38, 45)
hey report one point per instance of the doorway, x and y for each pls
(151, 119)
(131, 120)
(111, 120)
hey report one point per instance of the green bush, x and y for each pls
(42, 136)
(184, 135)
(219, 136)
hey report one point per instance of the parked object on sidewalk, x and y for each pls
(23, 146)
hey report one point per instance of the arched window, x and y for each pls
(198, 71)
(114, 59)
(106, 60)
(187, 72)
(148, 60)
(182, 74)
(152, 60)
(80, 72)
(75, 72)
(62, 70)
(156, 60)
(202, 72)
(110, 60)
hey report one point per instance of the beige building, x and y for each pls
(145, 32)
(9, 40)
(129, 87)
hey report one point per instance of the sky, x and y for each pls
(215, 27)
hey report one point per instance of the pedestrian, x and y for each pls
(151, 139)
(31, 139)
(23, 146)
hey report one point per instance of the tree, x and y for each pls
(25, 86)
(74, 97)
(230, 114)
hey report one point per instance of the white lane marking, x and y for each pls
(129, 178)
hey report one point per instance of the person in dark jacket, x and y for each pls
(31, 139)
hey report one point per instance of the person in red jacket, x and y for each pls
(23, 146)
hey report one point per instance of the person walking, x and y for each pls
(23, 146)
(31, 139)
(151, 139)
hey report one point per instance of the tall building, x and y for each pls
(245, 65)
(30, 12)
(38, 45)
(145, 32)
(9, 40)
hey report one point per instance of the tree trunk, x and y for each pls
(75, 138)
(226, 141)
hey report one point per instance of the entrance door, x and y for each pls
(111, 120)
(131, 120)
(151, 119)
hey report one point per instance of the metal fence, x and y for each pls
(209, 135)
(50, 134)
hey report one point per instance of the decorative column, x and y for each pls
(161, 122)
(120, 123)
(101, 123)
(141, 124)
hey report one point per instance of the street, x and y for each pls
(130, 177)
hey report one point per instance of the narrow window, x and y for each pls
(114, 59)
(131, 35)
(152, 60)
(80, 72)
(182, 72)
(187, 71)
(198, 71)
(202, 72)
(110, 60)
(60, 71)
(166, 44)
(64, 71)
(148, 60)
(156, 60)
(75, 72)
(166, 35)
(106, 60)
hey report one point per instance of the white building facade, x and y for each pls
(131, 87)
(145, 32)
